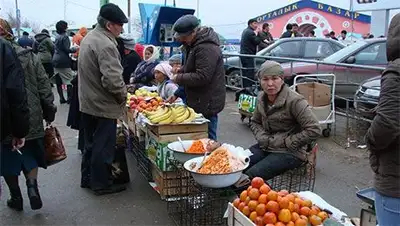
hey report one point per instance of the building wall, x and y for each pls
(323, 22)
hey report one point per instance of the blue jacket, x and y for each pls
(25, 41)
(180, 92)
(144, 72)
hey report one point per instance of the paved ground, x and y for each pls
(339, 173)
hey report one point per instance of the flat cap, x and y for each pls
(185, 25)
(113, 13)
(270, 68)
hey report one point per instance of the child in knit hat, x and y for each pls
(165, 87)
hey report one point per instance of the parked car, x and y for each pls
(301, 47)
(367, 96)
(370, 52)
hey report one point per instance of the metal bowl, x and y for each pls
(179, 153)
(212, 180)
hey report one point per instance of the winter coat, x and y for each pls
(203, 74)
(101, 88)
(130, 62)
(77, 39)
(383, 136)
(39, 93)
(249, 42)
(14, 106)
(144, 73)
(44, 47)
(74, 115)
(167, 89)
(25, 42)
(61, 57)
(287, 126)
(264, 36)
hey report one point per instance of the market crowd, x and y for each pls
(99, 64)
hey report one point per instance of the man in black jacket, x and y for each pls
(265, 36)
(248, 45)
(14, 106)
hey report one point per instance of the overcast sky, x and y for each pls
(228, 17)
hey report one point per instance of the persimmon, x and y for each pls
(253, 216)
(291, 206)
(305, 211)
(300, 222)
(314, 210)
(295, 216)
(264, 189)
(315, 220)
(323, 215)
(261, 209)
(236, 202)
(284, 203)
(307, 203)
(263, 199)
(259, 221)
(243, 196)
(273, 207)
(272, 195)
(270, 218)
(285, 192)
(280, 224)
(247, 200)
(290, 223)
(290, 197)
(246, 211)
(257, 182)
(284, 216)
(252, 205)
(249, 188)
(254, 194)
(299, 202)
(241, 206)
(296, 208)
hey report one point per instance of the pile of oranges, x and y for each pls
(266, 207)
(145, 105)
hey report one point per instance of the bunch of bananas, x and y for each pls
(171, 115)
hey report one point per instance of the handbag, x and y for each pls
(54, 147)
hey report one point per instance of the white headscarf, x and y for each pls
(164, 68)
(156, 53)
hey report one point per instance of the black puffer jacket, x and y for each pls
(61, 57)
(383, 137)
(249, 41)
(14, 107)
(203, 74)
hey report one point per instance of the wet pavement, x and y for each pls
(340, 172)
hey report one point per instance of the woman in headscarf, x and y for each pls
(62, 61)
(144, 73)
(41, 107)
(165, 87)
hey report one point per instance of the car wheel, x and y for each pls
(233, 79)
(326, 132)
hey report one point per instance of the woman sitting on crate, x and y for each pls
(165, 87)
(283, 125)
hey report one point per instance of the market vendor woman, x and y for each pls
(165, 87)
(283, 125)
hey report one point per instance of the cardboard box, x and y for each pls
(157, 150)
(317, 94)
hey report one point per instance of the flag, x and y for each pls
(365, 1)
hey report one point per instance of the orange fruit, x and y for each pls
(264, 189)
(243, 196)
(315, 220)
(254, 194)
(305, 211)
(299, 202)
(273, 207)
(281, 194)
(291, 207)
(241, 206)
(272, 195)
(300, 222)
(280, 224)
(314, 210)
(257, 182)
(285, 216)
(249, 188)
(285, 192)
(290, 197)
(253, 215)
(252, 205)
(270, 225)
(270, 218)
(259, 221)
(291, 223)
(296, 208)
(279, 198)
(236, 202)
(246, 211)
(323, 215)
(261, 209)
(263, 199)
(295, 216)
(284, 203)
(247, 200)
(307, 203)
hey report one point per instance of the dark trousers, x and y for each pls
(100, 140)
(48, 67)
(248, 71)
(270, 164)
(212, 127)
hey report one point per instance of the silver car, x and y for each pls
(367, 97)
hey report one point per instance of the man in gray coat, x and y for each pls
(102, 96)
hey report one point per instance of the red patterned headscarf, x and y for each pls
(5, 30)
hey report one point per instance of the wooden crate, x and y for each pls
(237, 218)
(178, 129)
(171, 184)
(131, 121)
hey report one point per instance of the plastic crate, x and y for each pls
(144, 164)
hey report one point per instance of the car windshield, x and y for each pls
(334, 58)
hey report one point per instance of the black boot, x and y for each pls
(69, 94)
(15, 202)
(61, 94)
(33, 194)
